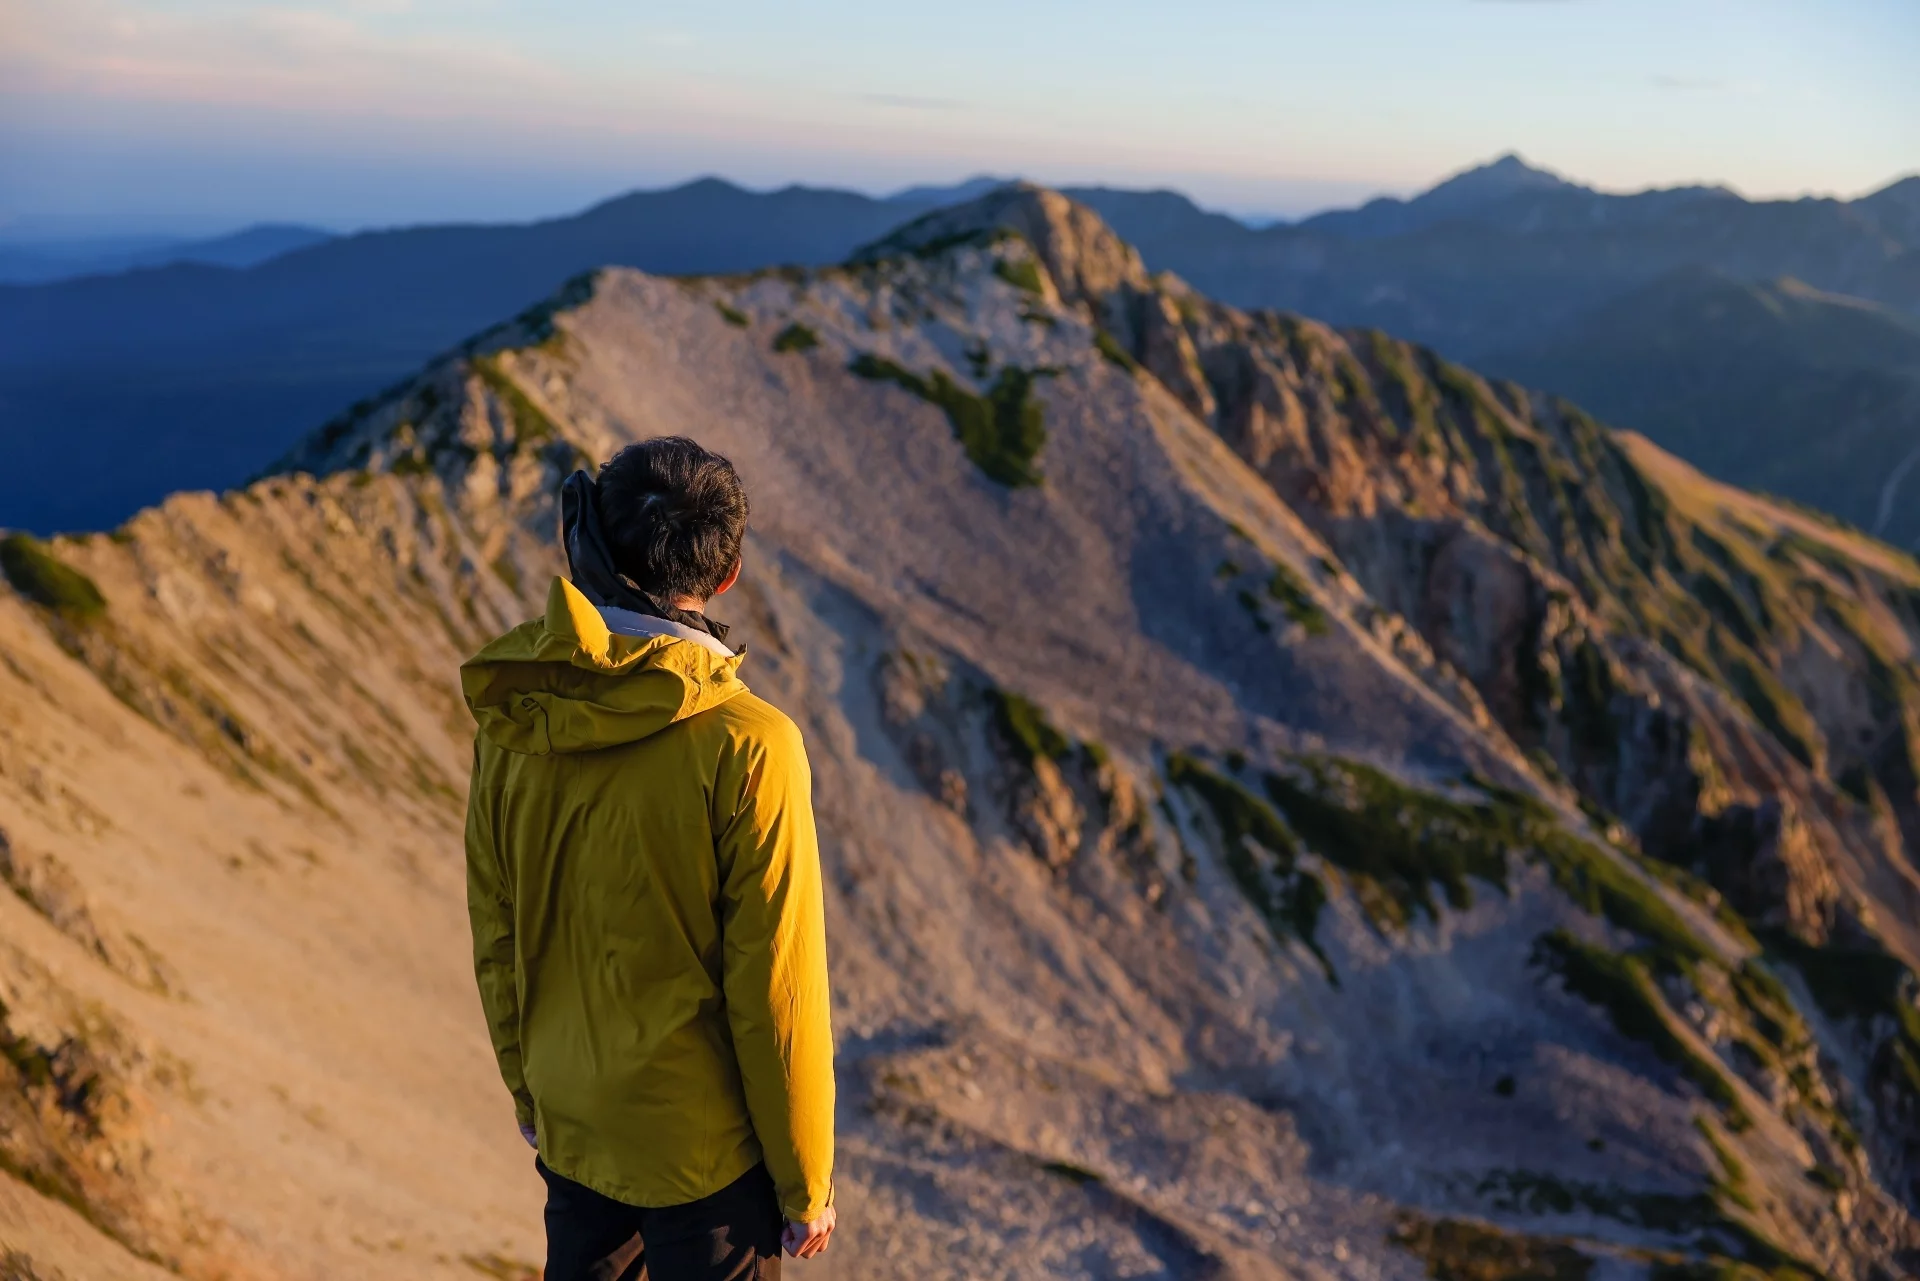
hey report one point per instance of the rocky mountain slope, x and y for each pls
(1292, 807)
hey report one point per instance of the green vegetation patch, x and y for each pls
(1109, 346)
(1005, 440)
(1405, 851)
(1622, 987)
(1698, 1218)
(1398, 842)
(1406, 395)
(1463, 1250)
(880, 369)
(1601, 886)
(1719, 1268)
(1587, 690)
(1023, 274)
(1395, 843)
(46, 580)
(1779, 712)
(1026, 728)
(733, 315)
(1864, 986)
(1261, 854)
(1077, 1175)
(530, 423)
(1732, 1183)
(796, 337)
(1002, 432)
(955, 239)
(1296, 602)
(1251, 603)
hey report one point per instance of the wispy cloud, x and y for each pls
(909, 102)
(1687, 84)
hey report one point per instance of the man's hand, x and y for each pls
(533, 1139)
(804, 1240)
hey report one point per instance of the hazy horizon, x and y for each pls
(137, 232)
(196, 116)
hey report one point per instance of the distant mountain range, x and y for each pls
(42, 262)
(1488, 260)
(194, 376)
(115, 390)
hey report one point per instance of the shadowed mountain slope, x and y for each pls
(1291, 807)
(1791, 390)
(1484, 272)
(31, 263)
(1464, 195)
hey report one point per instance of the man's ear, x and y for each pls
(733, 576)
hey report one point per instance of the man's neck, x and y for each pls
(687, 603)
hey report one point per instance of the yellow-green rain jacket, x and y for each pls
(644, 884)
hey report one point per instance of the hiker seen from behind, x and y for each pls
(643, 880)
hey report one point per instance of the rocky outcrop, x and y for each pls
(78, 1106)
(1767, 861)
(46, 885)
(1086, 262)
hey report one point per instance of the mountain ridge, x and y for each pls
(26, 263)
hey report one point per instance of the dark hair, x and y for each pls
(673, 514)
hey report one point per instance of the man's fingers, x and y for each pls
(804, 1240)
(802, 1244)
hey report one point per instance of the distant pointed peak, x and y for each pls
(1504, 175)
(1509, 161)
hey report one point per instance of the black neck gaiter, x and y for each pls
(590, 563)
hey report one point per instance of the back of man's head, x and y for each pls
(674, 515)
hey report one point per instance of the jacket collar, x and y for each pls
(626, 622)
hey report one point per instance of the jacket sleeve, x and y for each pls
(776, 968)
(490, 911)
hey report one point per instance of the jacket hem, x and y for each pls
(626, 1195)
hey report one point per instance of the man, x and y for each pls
(644, 887)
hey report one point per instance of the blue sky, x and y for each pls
(194, 114)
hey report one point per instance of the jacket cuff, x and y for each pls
(523, 1112)
(806, 1209)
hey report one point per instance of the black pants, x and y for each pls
(733, 1235)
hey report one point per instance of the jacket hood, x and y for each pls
(569, 683)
